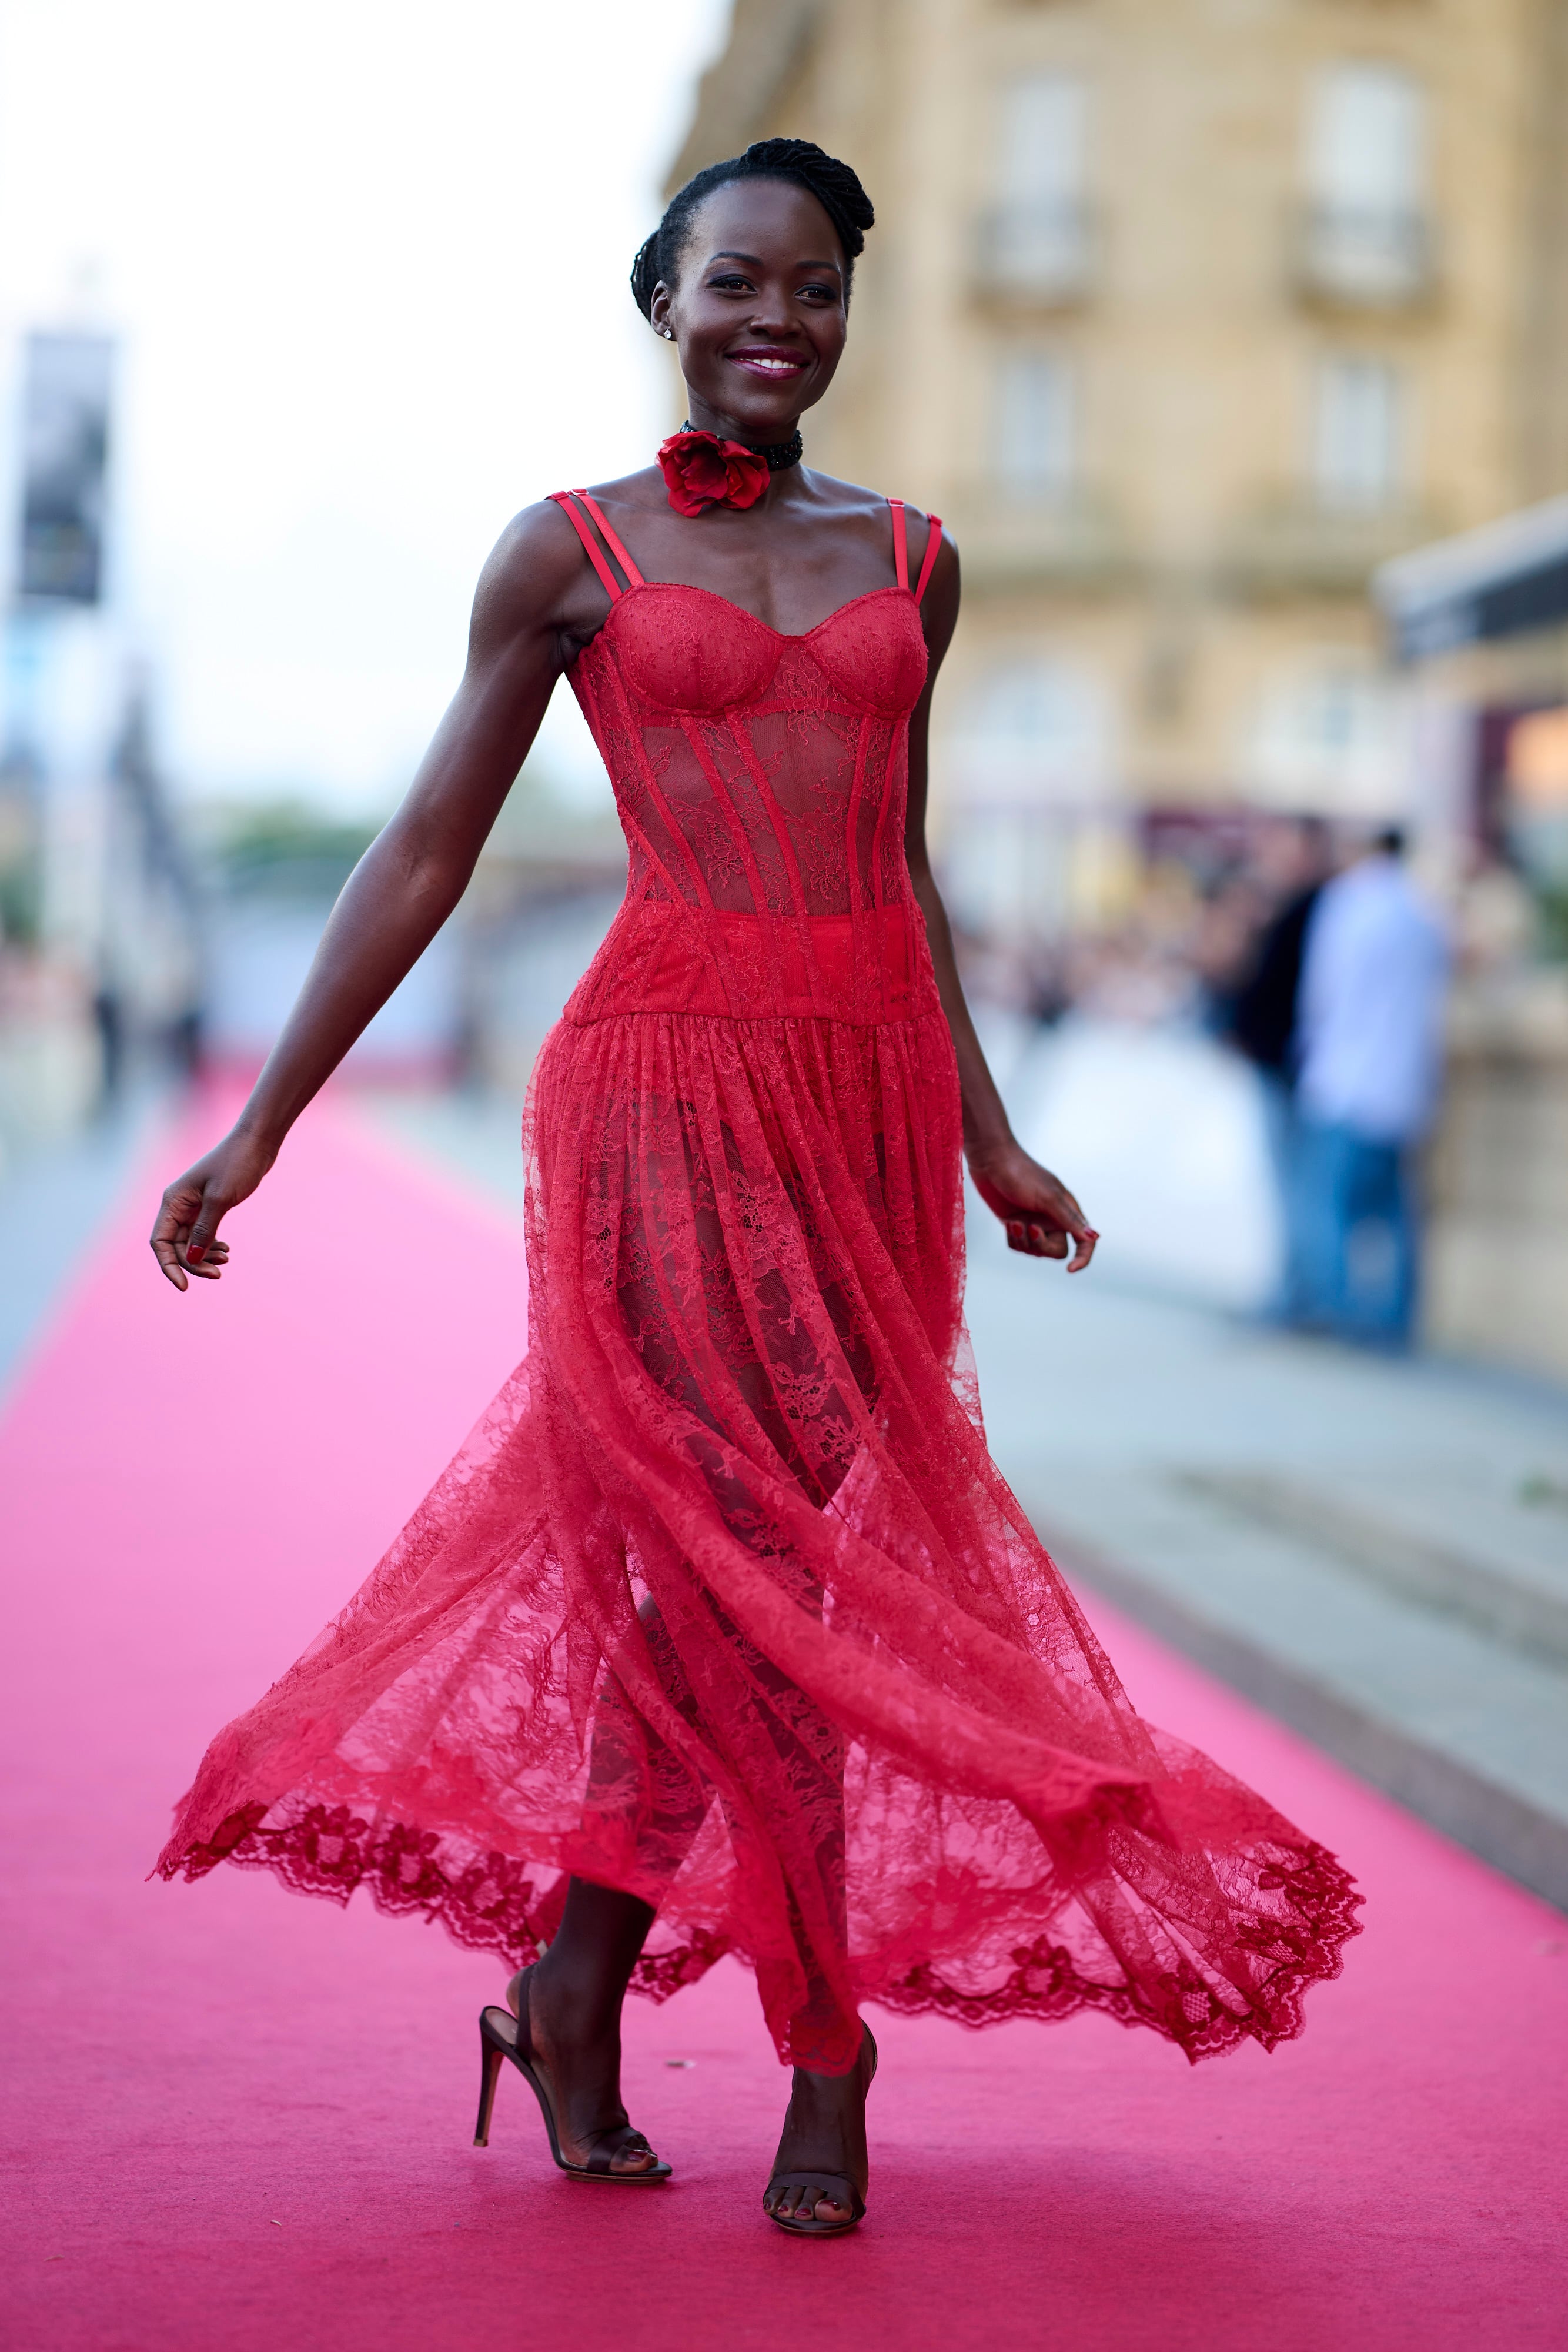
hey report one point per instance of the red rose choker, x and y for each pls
(702, 471)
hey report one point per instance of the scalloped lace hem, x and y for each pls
(500, 1906)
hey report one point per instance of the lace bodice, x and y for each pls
(762, 782)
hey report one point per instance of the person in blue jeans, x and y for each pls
(1369, 1056)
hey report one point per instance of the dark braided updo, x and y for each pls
(836, 188)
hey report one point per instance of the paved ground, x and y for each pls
(238, 2120)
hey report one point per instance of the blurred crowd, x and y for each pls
(1323, 959)
(1329, 976)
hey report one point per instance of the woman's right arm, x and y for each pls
(531, 609)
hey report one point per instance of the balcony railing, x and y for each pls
(1034, 253)
(1292, 543)
(1362, 256)
(1076, 542)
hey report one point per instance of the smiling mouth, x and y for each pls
(772, 366)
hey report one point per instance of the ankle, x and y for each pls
(826, 2094)
(577, 2002)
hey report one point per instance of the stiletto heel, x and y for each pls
(490, 2061)
(503, 2035)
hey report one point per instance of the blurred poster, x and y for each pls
(65, 450)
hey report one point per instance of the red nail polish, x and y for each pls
(195, 1256)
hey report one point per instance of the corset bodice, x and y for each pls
(761, 781)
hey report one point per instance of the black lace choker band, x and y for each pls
(780, 454)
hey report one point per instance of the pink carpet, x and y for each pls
(242, 2119)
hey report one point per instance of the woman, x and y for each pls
(723, 1631)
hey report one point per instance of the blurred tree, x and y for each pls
(286, 848)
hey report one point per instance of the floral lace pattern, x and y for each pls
(724, 1602)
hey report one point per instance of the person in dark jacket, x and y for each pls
(1290, 864)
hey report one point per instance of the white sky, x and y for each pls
(368, 259)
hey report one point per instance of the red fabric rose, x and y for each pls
(702, 471)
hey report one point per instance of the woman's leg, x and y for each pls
(768, 1356)
(574, 1997)
(576, 1992)
(824, 2124)
(578, 1987)
(825, 2131)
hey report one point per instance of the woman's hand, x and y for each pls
(184, 1238)
(1038, 1211)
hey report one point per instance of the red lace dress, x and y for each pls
(724, 1602)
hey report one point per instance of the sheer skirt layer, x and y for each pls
(723, 1602)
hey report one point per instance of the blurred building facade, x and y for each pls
(1186, 315)
(1189, 317)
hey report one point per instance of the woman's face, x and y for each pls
(758, 312)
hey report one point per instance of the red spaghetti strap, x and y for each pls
(933, 546)
(634, 576)
(567, 501)
(900, 543)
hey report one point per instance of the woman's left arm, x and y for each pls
(1038, 1211)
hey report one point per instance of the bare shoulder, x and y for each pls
(854, 499)
(941, 600)
(538, 552)
(539, 576)
(541, 540)
(945, 567)
(534, 574)
(946, 557)
(849, 498)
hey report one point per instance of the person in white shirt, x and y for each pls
(1369, 1059)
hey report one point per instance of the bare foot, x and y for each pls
(824, 2132)
(579, 2059)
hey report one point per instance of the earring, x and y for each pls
(667, 334)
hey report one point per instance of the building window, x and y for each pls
(1035, 441)
(1035, 237)
(1357, 434)
(1044, 140)
(1326, 739)
(1367, 236)
(1032, 818)
(1033, 732)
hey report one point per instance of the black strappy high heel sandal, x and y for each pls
(824, 2184)
(504, 2036)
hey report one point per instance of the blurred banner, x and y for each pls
(65, 452)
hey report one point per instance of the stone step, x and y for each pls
(1520, 1600)
(1463, 1728)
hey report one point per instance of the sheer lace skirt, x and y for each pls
(724, 1602)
